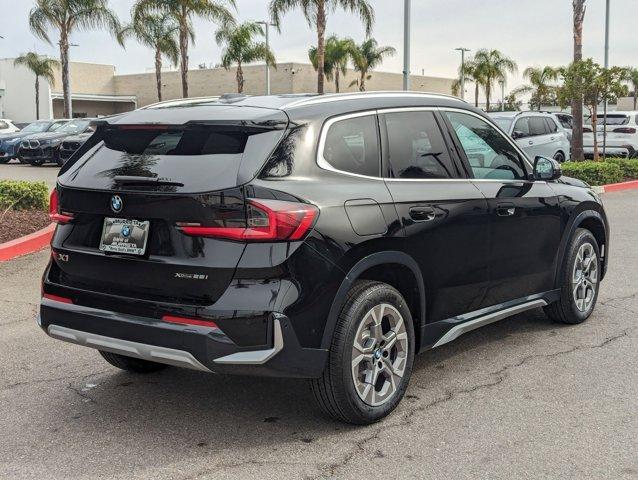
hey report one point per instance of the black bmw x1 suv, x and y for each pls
(325, 237)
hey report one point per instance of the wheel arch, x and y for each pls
(386, 267)
(593, 221)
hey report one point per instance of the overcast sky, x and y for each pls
(533, 32)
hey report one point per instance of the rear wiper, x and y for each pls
(132, 180)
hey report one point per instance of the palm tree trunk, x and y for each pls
(321, 47)
(362, 82)
(183, 52)
(37, 97)
(635, 96)
(577, 103)
(337, 82)
(488, 89)
(240, 78)
(158, 73)
(476, 94)
(66, 83)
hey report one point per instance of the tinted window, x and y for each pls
(490, 155)
(522, 126)
(352, 145)
(551, 125)
(566, 121)
(416, 148)
(537, 126)
(36, 127)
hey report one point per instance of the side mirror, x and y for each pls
(516, 134)
(546, 169)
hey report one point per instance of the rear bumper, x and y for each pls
(196, 347)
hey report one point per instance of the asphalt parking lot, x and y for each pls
(523, 398)
(17, 171)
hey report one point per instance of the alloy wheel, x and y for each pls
(379, 355)
(585, 277)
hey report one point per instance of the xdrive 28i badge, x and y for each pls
(116, 203)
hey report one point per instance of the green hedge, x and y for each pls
(594, 173)
(629, 167)
(22, 195)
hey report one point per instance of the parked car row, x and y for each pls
(622, 134)
(45, 141)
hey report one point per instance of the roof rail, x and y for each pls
(336, 97)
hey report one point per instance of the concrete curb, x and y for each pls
(27, 244)
(618, 187)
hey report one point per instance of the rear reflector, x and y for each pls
(624, 130)
(57, 298)
(189, 321)
(267, 221)
(54, 210)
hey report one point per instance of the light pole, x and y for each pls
(463, 50)
(607, 8)
(406, 45)
(267, 25)
(502, 84)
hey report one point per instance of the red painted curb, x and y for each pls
(616, 187)
(27, 244)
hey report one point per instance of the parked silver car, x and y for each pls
(536, 133)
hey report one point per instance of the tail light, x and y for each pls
(56, 298)
(267, 221)
(624, 130)
(54, 210)
(587, 130)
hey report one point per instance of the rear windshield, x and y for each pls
(610, 120)
(177, 141)
(503, 122)
(183, 159)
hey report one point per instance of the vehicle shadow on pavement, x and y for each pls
(192, 410)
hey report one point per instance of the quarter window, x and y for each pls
(416, 148)
(352, 145)
(489, 154)
(553, 128)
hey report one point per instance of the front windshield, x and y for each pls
(503, 122)
(36, 127)
(75, 126)
(56, 126)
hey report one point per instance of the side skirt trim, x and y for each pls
(152, 353)
(458, 330)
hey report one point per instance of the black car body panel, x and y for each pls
(457, 248)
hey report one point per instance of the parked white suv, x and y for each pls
(622, 135)
(7, 126)
(536, 133)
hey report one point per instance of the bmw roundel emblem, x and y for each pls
(126, 231)
(116, 203)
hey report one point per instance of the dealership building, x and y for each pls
(97, 90)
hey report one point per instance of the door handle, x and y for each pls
(505, 210)
(551, 138)
(422, 214)
(531, 142)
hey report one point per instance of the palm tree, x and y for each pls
(159, 33)
(183, 12)
(40, 66)
(240, 47)
(338, 53)
(540, 85)
(366, 57)
(492, 66)
(632, 76)
(316, 12)
(471, 75)
(66, 16)
(579, 10)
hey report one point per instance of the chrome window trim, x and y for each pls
(325, 165)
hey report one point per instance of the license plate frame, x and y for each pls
(131, 241)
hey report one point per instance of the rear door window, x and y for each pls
(352, 145)
(416, 148)
(522, 127)
(537, 126)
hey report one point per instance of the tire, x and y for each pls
(131, 364)
(4, 160)
(559, 157)
(59, 162)
(23, 161)
(340, 392)
(568, 310)
(37, 162)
